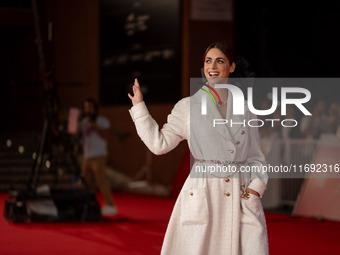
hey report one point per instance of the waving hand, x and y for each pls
(137, 93)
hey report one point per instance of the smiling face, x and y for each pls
(217, 66)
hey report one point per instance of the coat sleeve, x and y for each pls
(255, 159)
(161, 141)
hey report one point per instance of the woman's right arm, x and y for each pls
(174, 131)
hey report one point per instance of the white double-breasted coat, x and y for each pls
(209, 216)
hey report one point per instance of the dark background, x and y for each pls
(139, 47)
(289, 38)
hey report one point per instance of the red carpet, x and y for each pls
(139, 229)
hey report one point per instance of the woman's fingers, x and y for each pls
(136, 82)
(251, 191)
(135, 89)
(137, 93)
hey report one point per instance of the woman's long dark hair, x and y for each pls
(242, 66)
(224, 47)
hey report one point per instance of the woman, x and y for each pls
(222, 214)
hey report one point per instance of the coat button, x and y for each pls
(226, 180)
(227, 194)
(231, 151)
(243, 132)
(238, 142)
(191, 193)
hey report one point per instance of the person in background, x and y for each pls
(95, 134)
(333, 122)
(313, 126)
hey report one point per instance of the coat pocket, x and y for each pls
(194, 207)
(253, 203)
(253, 230)
(252, 211)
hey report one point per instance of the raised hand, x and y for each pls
(137, 93)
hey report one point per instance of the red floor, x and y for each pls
(139, 229)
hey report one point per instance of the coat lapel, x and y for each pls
(227, 131)
(237, 121)
(221, 130)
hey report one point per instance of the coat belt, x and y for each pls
(218, 162)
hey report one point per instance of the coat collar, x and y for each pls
(227, 130)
